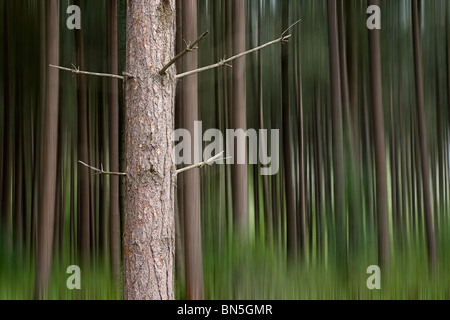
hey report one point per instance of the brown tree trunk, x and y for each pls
(320, 220)
(191, 178)
(351, 88)
(49, 152)
(149, 227)
(291, 217)
(83, 172)
(428, 210)
(380, 151)
(265, 179)
(338, 148)
(239, 119)
(301, 219)
(7, 145)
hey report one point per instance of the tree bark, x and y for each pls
(49, 153)
(149, 227)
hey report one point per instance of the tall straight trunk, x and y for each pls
(380, 151)
(353, 76)
(343, 65)
(83, 154)
(239, 119)
(404, 176)
(104, 192)
(351, 89)
(418, 214)
(320, 220)
(228, 79)
(19, 197)
(301, 225)
(255, 125)
(49, 153)
(370, 225)
(73, 216)
(191, 178)
(265, 179)
(7, 145)
(428, 210)
(291, 218)
(447, 60)
(393, 156)
(149, 226)
(114, 215)
(338, 147)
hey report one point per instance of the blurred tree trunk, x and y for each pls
(49, 153)
(149, 227)
(320, 220)
(18, 195)
(447, 60)
(291, 217)
(191, 178)
(83, 154)
(239, 119)
(7, 145)
(380, 151)
(428, 210)
(265, 178)
(338, 148)
(394, 172)
(351, 89)
(114, 216)
(300, 203)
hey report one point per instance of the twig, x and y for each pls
(189, 48)
(225, 62)
(101, 171)
(208, 162)
(78, 71)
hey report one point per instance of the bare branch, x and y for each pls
(208, 162)
(101, 171)
(283, 39)
(189, 48)
(290, 27)
(78, 71)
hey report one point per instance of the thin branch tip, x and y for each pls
(189, 48)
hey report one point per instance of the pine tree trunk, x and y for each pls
(49, 155)
(428, 210)
(338, 140)
(380, 151)
(239, 119)
(83, 153)
(191, 178)
(149, 227)
(291, 216)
